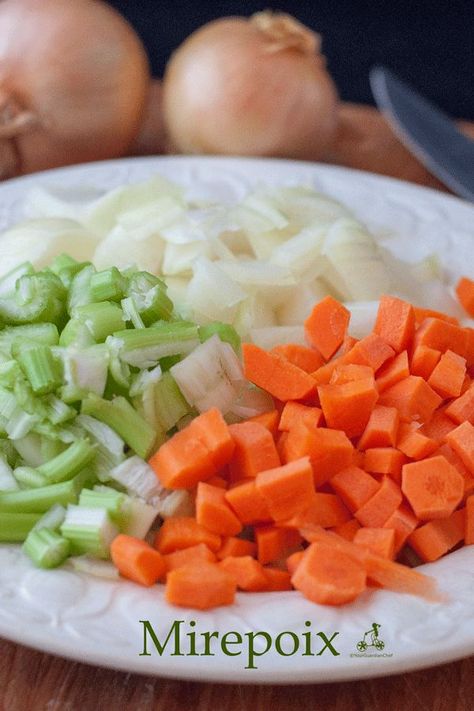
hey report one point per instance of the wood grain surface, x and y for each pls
(33, 681)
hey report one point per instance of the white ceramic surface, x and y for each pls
(98, 621)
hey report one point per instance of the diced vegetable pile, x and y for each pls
(132, 435)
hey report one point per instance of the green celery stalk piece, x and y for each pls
(124, 420)
(46, 548)
(14, 527)
(41, 499)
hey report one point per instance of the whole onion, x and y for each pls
(255, 86)
(73, 83)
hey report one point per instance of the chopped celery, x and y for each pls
(89, 530)
(8, 403)
(7, 480)
(8, 281)
(29, 478)
(41, 368)
(225, 331)
(51, 447)
(65, 465)
(29, 449)
(46, 548)
(58, 411)
(143, 380)
(167, 362)
(85, 371)
(131, 313)
(41, 333)
(170, 405)
(124, 420)
(41, 499)
(10, 372)
(102, 318)
(141, 517)
(66, 268)
(108, 285)
(14, 527)
(138, 478)
(149, 295)
(37, 298)
(144, 347)
(109, 446)
(52, 519)
(76, 333)
(20, 424)
(79, 291)
(115, 502)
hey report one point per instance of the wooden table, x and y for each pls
(32, 681)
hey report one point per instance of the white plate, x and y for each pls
(98, 621)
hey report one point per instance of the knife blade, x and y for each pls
(426, 131)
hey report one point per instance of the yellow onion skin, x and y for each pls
(80, 73)
(230, 90)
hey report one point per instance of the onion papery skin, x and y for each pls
(82, 73)
(230, 89)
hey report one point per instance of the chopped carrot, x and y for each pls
(395, 576)
(248, 504)
(287, 489)
(354, 486)
(424, 360)
(183, 532)
(194, 454)
(395, 322)
(347, 373)
(448, 375)
(254, 450)
(294, 412)
(275, 543)
(375, 512)
(328, 576)
(371, 350)
(137, 560)
(438, 426)
(465, 294)
(308, 359)
(232, 546)
(381, 429)
(462, 408)
(385, 460)
(402, 522)
(293, 561)
(446, 451)
(378, 540)
(277, 580)
(329, 450)
(469, 347)
(217, 481)
(383, 572)
(421, 314)
(326, 326)
(324, 510)
(249, 574)
(413, 443)
(433, 487)
(348, 343)
(466, 384)
(347, 530)
(276, 375)
(469, 528)
(200, 585)
(214, 512)
(413, 398)
(435, 538)
(392, 371)
(347, 407)
(189, 555)
(441, 335)
(269, 420)
(461, 440)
